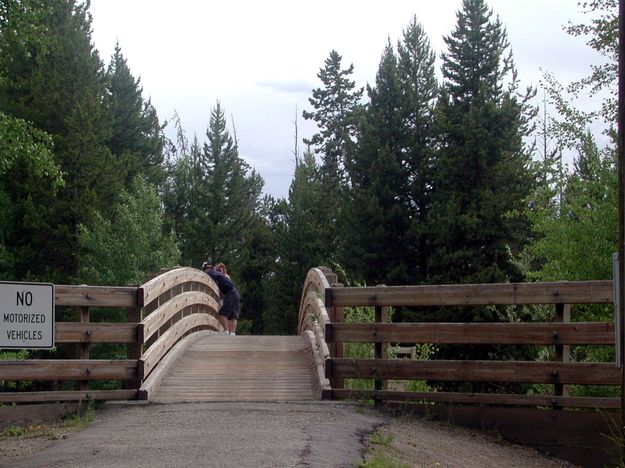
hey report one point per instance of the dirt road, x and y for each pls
(212, 434)
(315, 434)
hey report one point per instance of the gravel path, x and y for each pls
(310, 434)
(421, 443)
(315, 434)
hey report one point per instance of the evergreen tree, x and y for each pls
(53, 77)
(233, 192)
(378, 208)
(419, 88)
(21, 145)
(213, 200)
(336, 108)
(135, 133)
(299, 246)
(481, 169)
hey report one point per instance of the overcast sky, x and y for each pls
(260, 58)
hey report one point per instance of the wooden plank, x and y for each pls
(473, 333)
(95, 332)
(246, 368)
(95, 296)
(154, 288)
(315, 285)
(162, 368)
(477, 398)
(476, 371)
(30, 397)
(563, 292)
(167, 340)
(68, 369)
(153, 322)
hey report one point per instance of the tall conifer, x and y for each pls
(419, 89)
(378, 209)
(481, 168)
(336, 107)
(53, 77)
(136, 135)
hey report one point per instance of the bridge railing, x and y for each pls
(319, 297)
(159, 313)
(176, 303)
(83, 333)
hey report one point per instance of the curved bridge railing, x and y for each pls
(314, 317)
(176, 303)
(158, 315)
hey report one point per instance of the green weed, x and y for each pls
(384, 460)
(14, 431)
(82, 418)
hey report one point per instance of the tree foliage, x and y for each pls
(127, 247)
(136, 137)
(481, 169)
(53, 78)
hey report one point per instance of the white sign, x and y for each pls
(26, 315)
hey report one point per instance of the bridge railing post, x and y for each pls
(562, 352)
(83, 347)
(380, 349)
(133, 350)
(337, 349)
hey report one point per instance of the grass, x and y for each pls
(380, 446)
(384, 460)
(15, 431)
(77, 420)
(48, 431)
(82, 418)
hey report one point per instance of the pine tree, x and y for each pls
(378, 209)
(481, 168)
(300, 246)
(214, 202)
(233, 190)
(53, 77)
(336, 108)
(419, 87)
(136, 135)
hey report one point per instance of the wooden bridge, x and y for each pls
(237, 368)
(174, 353)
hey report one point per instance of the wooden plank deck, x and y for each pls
(240, 368)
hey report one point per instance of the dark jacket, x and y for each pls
(223, 282)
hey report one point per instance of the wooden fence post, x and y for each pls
(133, 350)
(381, 316)
(83, 353)
(337, 315)
(563, 352)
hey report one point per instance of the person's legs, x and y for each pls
(232, 326)
(224, 322)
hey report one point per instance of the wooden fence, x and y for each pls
(578, 435)
(323, 302)
(159, 314)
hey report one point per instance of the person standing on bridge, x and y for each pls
(231, 306)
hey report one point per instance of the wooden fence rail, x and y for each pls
(560, 292)
(159, 314)
(580, 429)
(560, 334)
(473, 333)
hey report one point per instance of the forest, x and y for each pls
(425, 176)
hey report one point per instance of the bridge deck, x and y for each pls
(240, 368)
